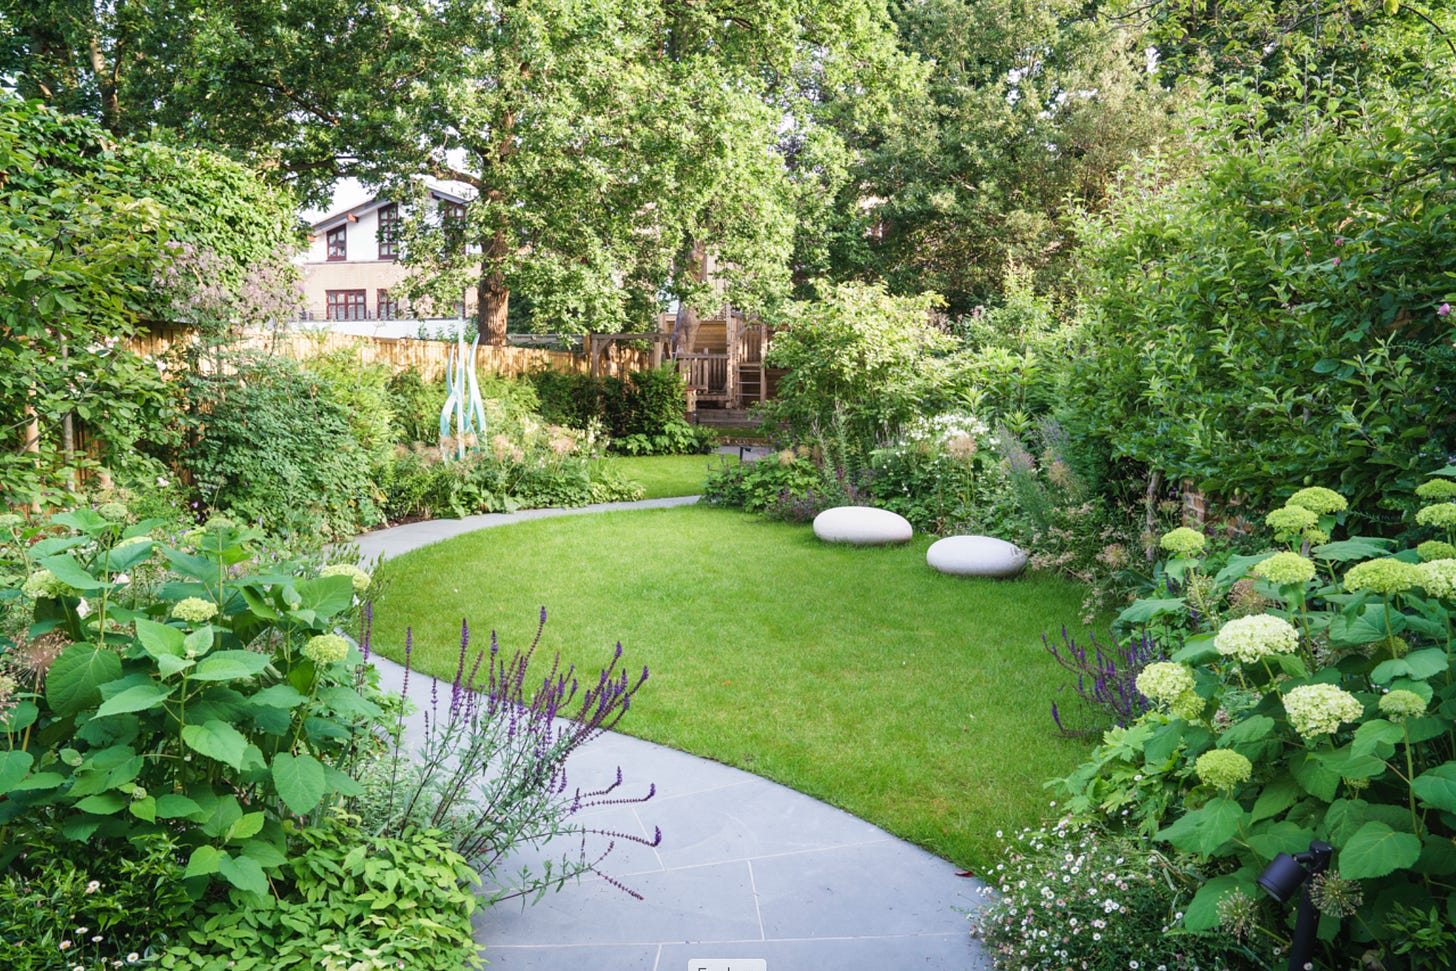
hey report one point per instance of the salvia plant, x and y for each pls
(1106, 681)
(1312, 697)
(488, 764)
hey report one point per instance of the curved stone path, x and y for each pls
(750, 875)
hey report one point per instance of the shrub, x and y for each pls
(861, 353)
(414, 407)
(937, 472)
(642, 414)
(209, 712)
(500, 713)
(1081, 897)
(348, 899)
(1323, 681)
(273, 448)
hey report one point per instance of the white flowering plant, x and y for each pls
(1079, 897)
(1310, 694)
(195, 708)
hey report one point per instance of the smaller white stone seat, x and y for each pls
(862, 526)
(976, 556)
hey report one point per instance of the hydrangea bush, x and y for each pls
(1328, 714)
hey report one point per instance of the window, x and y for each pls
(452, 221)
(388, 234)
(338, 249)
(388, 306)
(346, 305)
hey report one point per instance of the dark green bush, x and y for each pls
(414, 406)
(272, 447)
(642, 414)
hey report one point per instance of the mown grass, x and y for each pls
(666, 476)
(856, 675)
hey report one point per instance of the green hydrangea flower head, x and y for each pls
(1253, 638)
(1164, 681)
(219, 522)
(1318, 500)
(1400, 704)
(1183, 541)
(113, 512)
(1437, 489)
(9, 520)
(326, 649)
(1438, 577)
(1441, 515)
(356, 576)
(1282, 568)
(194, 610)
(1223, 768)
(132, 541)
(42, 584)
(1320, 709)
(1291, 520)
(1385, 576)
(1434, 549)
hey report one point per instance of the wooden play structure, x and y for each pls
(723, 369)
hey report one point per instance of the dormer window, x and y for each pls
(389, 232)
(337, 246)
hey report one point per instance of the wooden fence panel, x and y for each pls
(428, 358)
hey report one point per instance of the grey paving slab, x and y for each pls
(746, 867)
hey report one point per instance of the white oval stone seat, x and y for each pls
(976, 556)
(862, 526)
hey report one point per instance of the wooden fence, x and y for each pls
(428, 358)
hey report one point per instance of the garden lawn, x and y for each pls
(667, 476)
(859, 676)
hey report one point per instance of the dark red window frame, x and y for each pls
(389, 232)
(347, 305)
(338, 243)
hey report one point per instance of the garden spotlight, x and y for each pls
(1281, 878)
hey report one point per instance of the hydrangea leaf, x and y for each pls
(13, 767)
(326, 596)
(1376, 737)
(1204, 830)
(1313, 777)
(279, 696)
(1202, 911)
(72, 574)
(1438, 856)
(1145, 610)
(1437, 787)
(159, 640)
(1376, 850)
(230, 665)
(216, 740)
(75, 677)
(1280, 837)
(1276, 797)
(142, 697)
(1354, 548)
(300, 781)
(102, 804)
(1349, 764)
(203, 860)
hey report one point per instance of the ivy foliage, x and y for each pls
(1282, 319)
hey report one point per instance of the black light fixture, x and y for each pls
(1281, 878)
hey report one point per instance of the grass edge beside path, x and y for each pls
(859, 676)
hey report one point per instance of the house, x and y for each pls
(352, 271)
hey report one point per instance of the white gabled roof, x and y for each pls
(350, 188)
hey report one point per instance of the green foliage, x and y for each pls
(937, 474)
(1068, 893)
(414, 407)
(1026, 109)
(273, 447)
(1294, 290)
(641, 414)
(86, 224)
(789, 485)
(205, 710)
(1326, 686)
(363, 392)
(859, 353)
(348, 899)
(105, 907)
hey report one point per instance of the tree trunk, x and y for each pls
(493, 297)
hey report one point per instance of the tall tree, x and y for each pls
(1028, 103)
